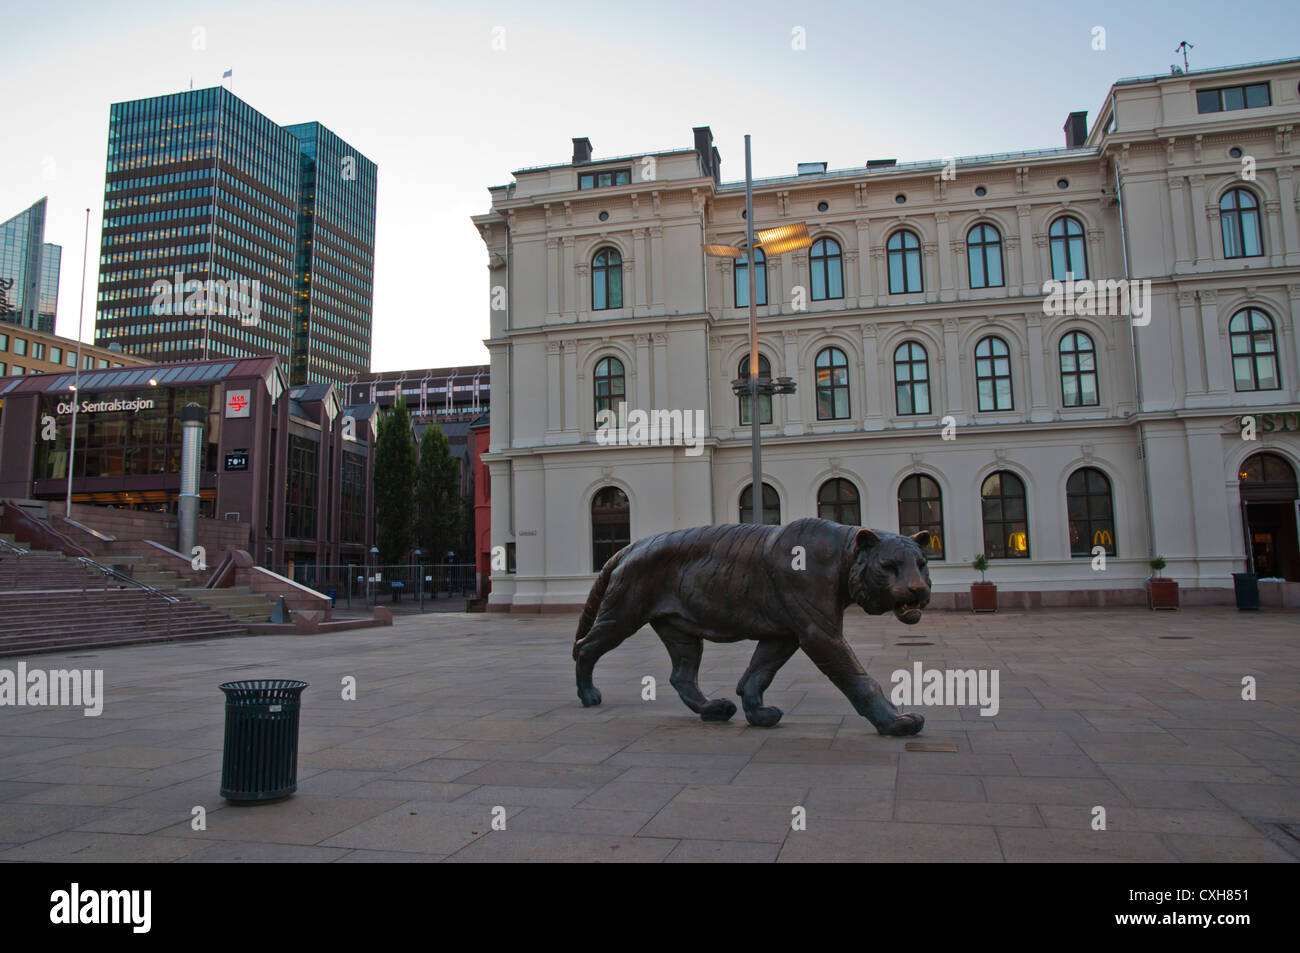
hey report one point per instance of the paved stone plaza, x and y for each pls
(1134, 711)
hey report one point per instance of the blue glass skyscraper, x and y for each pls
(29, 271)
(202, 190)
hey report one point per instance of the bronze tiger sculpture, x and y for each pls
(786, 586)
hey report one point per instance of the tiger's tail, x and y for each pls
(594, 599)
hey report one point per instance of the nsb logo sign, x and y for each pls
(238, 402)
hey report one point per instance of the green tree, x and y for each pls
(437, 496)
(394, 483)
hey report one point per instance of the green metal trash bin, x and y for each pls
(260, 758)
(1245, 587)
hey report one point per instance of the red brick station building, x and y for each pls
(259, 434)
(314, 441)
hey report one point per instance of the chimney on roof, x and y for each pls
(581, 150)
(710, 160)
(1076, 129)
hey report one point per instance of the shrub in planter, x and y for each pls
(1162, 593)
(983, 595)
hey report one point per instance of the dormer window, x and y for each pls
(1233, 97)
(602, 180)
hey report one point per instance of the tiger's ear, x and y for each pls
(922, 538)
(865, 539)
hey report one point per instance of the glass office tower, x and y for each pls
(29, 271)
(200, 188)
(47, 308)
(216, 242)
(336, 259)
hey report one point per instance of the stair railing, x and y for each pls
(8, 549)
(123, 580)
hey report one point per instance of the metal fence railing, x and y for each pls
(368, 585)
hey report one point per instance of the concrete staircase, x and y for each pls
(51, 602)
(239, 602)
(40, 570)
(35, 621)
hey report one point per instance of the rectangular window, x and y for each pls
(602, 180)
(353, 524)
(70, 359)
(1233, 97)
(56, 355)
(1257, 95)
(300, 498)
(38, 350)
(20, 346)
(4, 342)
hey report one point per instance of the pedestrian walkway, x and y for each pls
(461, 719)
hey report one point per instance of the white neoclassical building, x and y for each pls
(938, 385)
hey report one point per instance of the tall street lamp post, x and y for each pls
(773, 242)
(76, 372)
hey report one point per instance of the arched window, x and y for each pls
(827, 269)
(837, 501)
(771, 505)
(1069, 256)
(920, 506)
(1267, 468)
(1078, 370)
(984, 255)
(1239, 219)
(610, 388)
(1254, 351)
(1091, 512)
(911, 379)
(607, 280)
(993, 375)
(740, 280)
(764, 400)
(1006, 517)
(832, 384)
(904, 253)
(611, 525)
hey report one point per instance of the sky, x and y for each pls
(449, 99)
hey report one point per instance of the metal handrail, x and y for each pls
(110, 573)
(8, 547)
(123, 577)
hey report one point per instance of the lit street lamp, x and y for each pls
(773, 241)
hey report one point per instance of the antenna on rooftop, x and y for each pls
(1183, 47)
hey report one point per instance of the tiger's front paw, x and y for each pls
(764, 717)
(909, 723)
(720, 709)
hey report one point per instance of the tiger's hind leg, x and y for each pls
(686, 652)
(767, 660)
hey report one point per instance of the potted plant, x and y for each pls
(983, 595)
(1162, 593)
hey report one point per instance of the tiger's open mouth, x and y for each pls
(908, 612)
